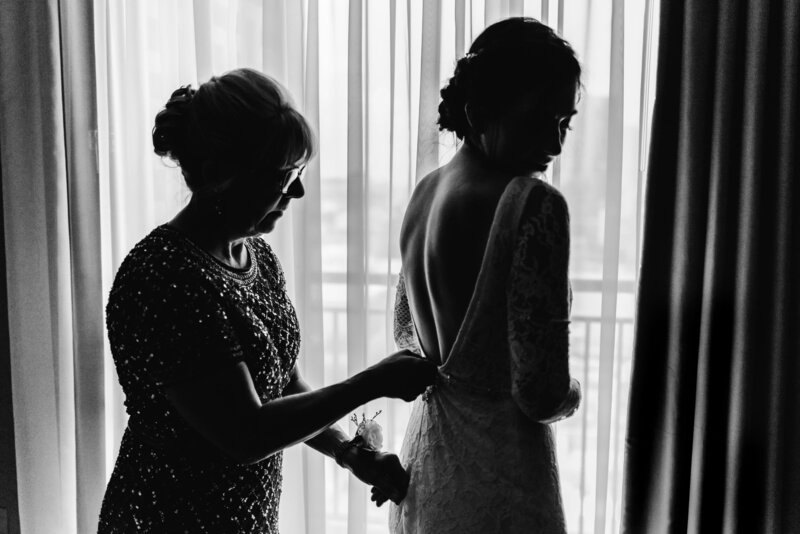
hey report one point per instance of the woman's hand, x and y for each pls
(402, 375)
(381, 470)
(379, 497)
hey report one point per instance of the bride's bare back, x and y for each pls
(443, 240)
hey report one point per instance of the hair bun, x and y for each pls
(172, 124)
(452, 115)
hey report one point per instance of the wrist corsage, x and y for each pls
(369, 436)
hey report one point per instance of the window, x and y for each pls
(367, 74)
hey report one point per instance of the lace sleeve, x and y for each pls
(539, 298)
(404, 335)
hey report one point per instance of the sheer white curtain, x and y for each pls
(367, 75)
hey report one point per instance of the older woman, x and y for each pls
(205, 339)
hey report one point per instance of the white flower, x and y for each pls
(372, 434)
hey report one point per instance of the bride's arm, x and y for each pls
(538, 298)
(405, 336)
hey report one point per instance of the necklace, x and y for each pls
(241, 275)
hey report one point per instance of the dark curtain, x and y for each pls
(713, 442)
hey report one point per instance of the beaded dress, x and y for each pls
(479, 448)
(176, 313)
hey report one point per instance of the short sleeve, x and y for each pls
(404, 334)
(181, 329)
(539, 297)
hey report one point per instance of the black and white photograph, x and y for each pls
(400, 266)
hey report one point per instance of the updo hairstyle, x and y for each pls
(509, 59)
(236, 122)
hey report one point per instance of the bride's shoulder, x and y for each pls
(421, 196)
(428, 183)
(532, 190)
(528, 198)
(533, 185)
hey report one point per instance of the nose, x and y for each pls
(296, 190)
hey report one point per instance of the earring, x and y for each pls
(217, 209)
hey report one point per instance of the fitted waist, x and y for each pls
(452, 415)
(448, 380)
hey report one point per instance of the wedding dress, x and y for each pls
(479, 447)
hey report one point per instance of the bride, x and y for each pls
(484, 293)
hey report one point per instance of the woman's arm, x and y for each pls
(226, 410)
(382, 470)
(329, 439)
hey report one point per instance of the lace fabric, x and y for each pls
(478, 446)
(404, 333)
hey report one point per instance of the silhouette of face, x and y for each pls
(530, 133)
(257, 200)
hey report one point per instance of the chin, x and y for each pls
(535, 170)
(529, 168)
(257, 230)
(261, 230)
(264, 227)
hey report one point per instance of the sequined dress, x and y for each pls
(479, 447)
(176, 313)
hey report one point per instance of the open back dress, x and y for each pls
(479, 447)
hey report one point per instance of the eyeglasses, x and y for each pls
(295, 173)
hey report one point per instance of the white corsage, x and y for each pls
(369, 436)
(369, 431)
